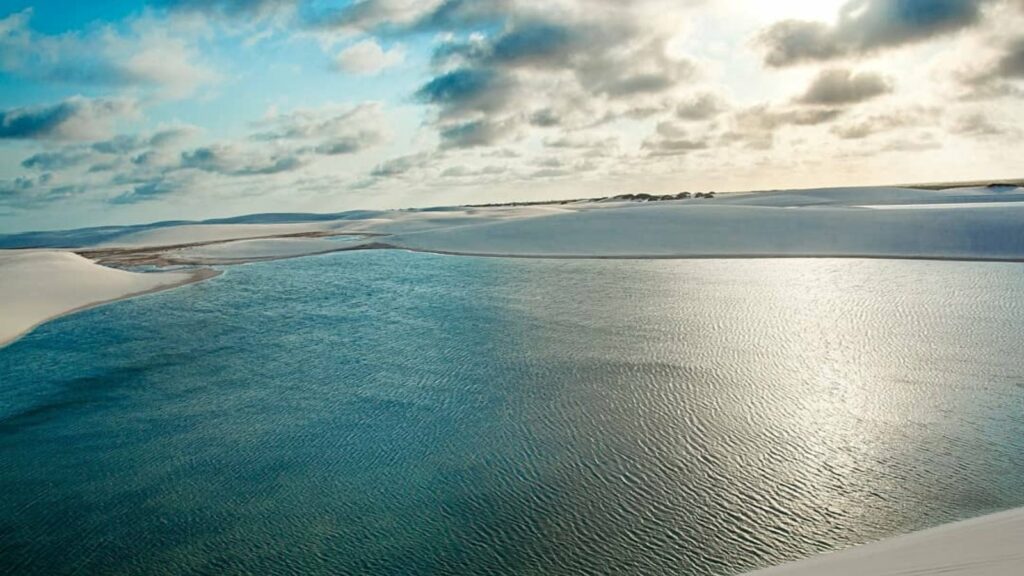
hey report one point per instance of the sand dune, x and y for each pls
(987, 546)
(36, 286)
(813, 223)
(959, 223)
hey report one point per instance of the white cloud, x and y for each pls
(369, 58)
(151, 54)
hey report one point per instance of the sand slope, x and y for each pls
(987, 546)
(36, 286)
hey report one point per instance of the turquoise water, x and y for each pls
(395, 413)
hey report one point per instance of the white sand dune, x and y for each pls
(711, 229)
(987, 546)
(959, 223)
(36, 286)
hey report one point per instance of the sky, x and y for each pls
(120, 112)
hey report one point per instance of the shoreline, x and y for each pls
(146, 255)
(196, 276)
(808, 256)
(987, 545)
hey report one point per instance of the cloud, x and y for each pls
(14, 192)
(229, 160)
(149, 191)
(400, 165)
(368, 58)
(920, 143)
(474, 133)
(866, 26)
(1011, 64)
(656, 147)
(995, 78)
(576, 142)
(837, 87)
(701, 107)
(330, 130)
(128, 143)
(28, 193)
(233, 8)
(465, 172)
(574, 65)
(407, 16)
(871, 125)
(755, 126)
(147, 54)
(56, 160)
(76, 118)
(465, 89)
(979, 125)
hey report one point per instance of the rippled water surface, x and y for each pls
(394, 413)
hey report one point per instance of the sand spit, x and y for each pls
(40, 285)
(226, 251)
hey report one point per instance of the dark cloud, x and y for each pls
(56, 159)
(539, 69)
(341, 146)
(996, 79)
(979, 125)
(474, 133)
(129, 143)
(148, 191)
(73, 119)
(673, 139)
(399, 166)
(763, 117)
(536, 43)
(242, 8)
(466, 89)
(226, 160)
(755, 127)
(839, 87)
(391, 17)
(673, 147)
(700, 107)
(866, 26)
(13, 191)
(1011, 64)
(464, 172)
(34, 192)
(545, 118)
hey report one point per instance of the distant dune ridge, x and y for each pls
(975, 223)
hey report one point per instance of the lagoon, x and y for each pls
(386, 412)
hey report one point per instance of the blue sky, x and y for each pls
(120, 112)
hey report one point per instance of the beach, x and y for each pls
(40, 285)
(986, 546)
